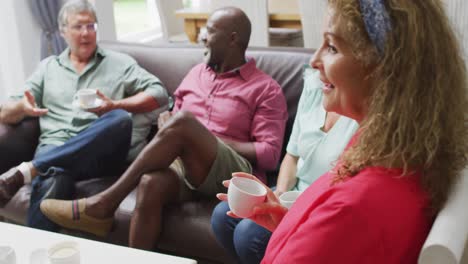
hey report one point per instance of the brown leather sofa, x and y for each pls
(186, 227)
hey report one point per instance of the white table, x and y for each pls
(25, 240)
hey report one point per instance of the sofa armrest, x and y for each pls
(18, 143)
(446, 241)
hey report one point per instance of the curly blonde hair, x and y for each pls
(417, 112)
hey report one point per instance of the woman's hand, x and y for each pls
(278, 193)
(268, 214)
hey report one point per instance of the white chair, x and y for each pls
(172, 27)
(446, 243)
(312, 18)
(448, 240)
(257, 11)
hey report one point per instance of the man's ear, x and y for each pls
(234, 38)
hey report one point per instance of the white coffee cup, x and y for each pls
(287, 199)
(7, 255)
(244, 194)
(86, 97)
(66, 252)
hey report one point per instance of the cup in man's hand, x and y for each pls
(287, 199)
(244, 194)
(87, 98)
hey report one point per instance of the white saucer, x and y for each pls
(97, 103)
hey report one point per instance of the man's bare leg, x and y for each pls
(183, 136)
(155, 190)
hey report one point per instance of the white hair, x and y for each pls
(74, 7)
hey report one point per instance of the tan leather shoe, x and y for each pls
(10, 182)
(71, 214)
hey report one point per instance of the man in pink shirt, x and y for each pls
(228, 116)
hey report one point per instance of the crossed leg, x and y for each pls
(183, 136)
(91, 147)
(155, 190)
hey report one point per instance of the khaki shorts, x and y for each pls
(226, 162)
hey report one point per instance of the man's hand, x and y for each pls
(29, 106)
(107, 105)
(163, 118)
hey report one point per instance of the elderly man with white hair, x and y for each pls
(77, 143)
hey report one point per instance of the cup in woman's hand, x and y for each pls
(288, 198)
(244, 194)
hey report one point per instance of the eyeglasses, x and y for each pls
(91, 27)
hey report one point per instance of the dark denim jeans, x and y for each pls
(242, 238)
(100, 150)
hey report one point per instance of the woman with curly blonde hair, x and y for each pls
(395, 67)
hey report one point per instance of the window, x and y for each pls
(191, 3)
(136, 20)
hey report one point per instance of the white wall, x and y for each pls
(2, 93)
(20, 45)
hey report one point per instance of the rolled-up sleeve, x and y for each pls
(137, 80)
(268, 127)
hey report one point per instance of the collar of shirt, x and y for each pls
(64, 58)
(245, 71)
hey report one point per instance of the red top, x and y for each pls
(373, 217)
(245, 105)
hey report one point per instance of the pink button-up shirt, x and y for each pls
(245, 105)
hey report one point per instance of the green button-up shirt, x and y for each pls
(116, 75)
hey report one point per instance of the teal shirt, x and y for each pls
(317, 150)
(116, 75)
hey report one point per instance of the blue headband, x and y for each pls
(377, 22)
